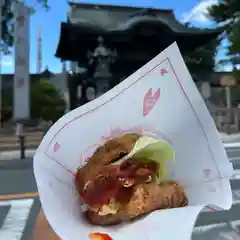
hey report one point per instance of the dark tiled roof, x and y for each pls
(119, 25)
(74, 35)
(113, 7)
(123, 18)
(46, 73)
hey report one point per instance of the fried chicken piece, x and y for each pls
(112, 150)
(145, 199)
(92, 180)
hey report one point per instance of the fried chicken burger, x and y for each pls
(119, 184)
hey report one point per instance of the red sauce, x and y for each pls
(124, 195)
(112, 182)
(137, 172)
(101, 191)
(99, 236)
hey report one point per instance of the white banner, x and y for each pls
(21, 78)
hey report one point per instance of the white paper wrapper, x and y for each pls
(161, 100)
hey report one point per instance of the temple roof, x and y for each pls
(46, 73)
(109, 18)
(122, 27)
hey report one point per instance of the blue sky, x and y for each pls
(50, 24)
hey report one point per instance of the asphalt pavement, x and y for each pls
(223, 225)
(19, 203)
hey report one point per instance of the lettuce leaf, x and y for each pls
(159, 151)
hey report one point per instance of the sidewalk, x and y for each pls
(232, 140)
(11, 142)
(15, 154)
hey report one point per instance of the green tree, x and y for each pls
(47, 103)
(202, 60)
(227, 12)
(6, 108)
(8, 20)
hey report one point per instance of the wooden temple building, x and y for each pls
(111, 42)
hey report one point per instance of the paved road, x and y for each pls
(19, 203)
(215, 226)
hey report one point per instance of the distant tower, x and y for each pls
(39, 50)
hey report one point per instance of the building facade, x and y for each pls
(112, 42)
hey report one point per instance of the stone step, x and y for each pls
(11, 142)
(36, 133)
(29, 135)
(16, 146)
(16, 139)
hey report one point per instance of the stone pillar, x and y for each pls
(238, 118)
(206, 90)
(103, 85)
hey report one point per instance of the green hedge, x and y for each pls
(46, 102)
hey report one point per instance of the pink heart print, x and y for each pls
(163, 71)
(207, 172)
(150, 100)
(56, 147)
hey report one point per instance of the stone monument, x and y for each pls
(101, 59)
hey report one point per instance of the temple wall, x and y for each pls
(227, 120)
(60, 81)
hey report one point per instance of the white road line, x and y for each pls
(10, 155)
(236, 175)
(236, 200)
(232, 145)
(235, 192)
(236, 196)
(16, 219)
(201, 229)
(205, 228)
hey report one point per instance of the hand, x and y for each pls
(43, 229)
